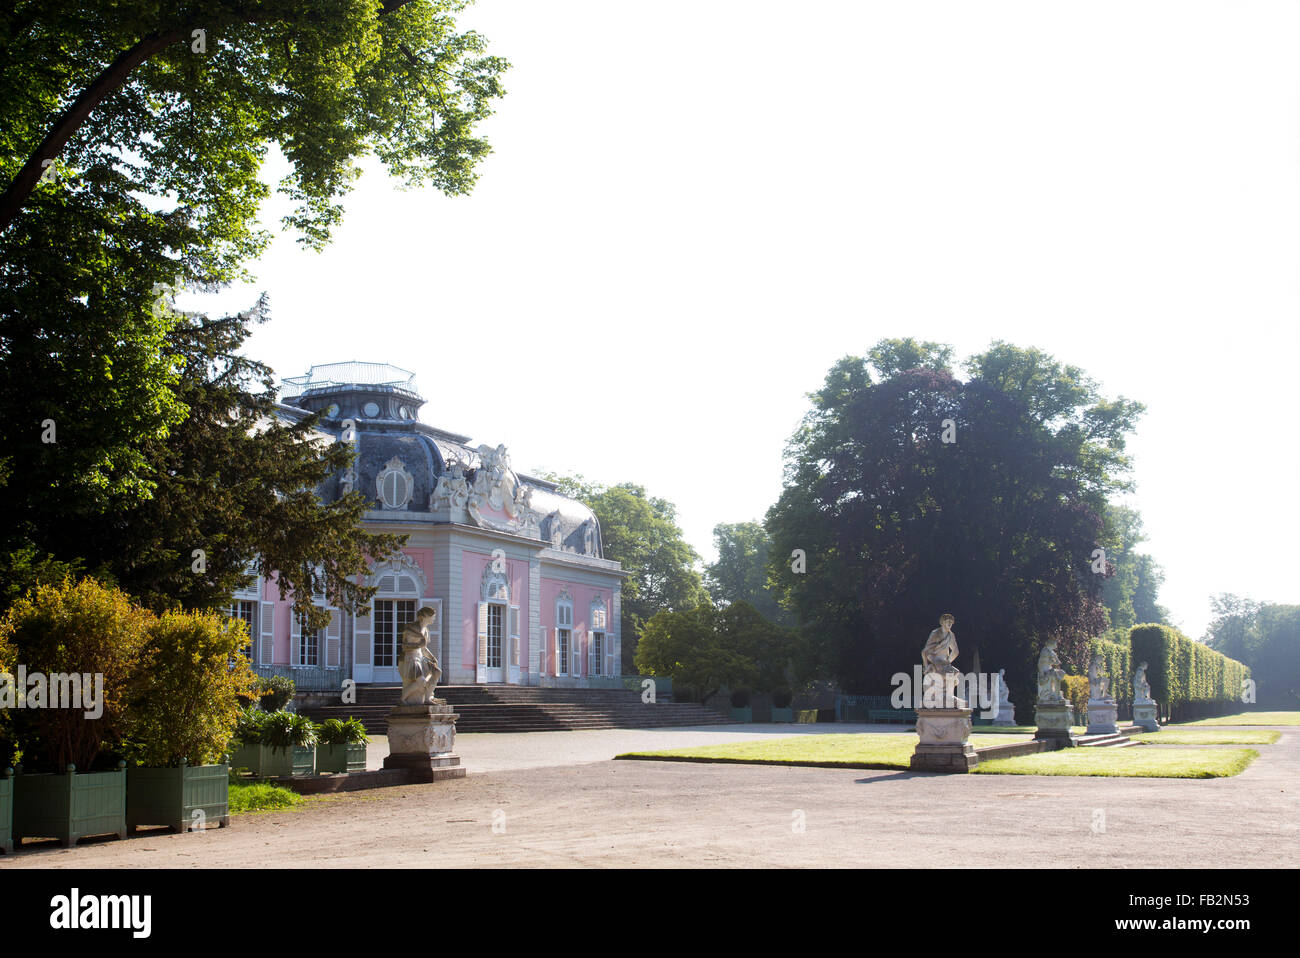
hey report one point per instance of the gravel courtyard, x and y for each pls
(556, 799)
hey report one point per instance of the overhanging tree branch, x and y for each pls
(113, 76)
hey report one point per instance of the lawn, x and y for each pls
(1126, 762)
(894, 750)
(1251, 718)
(261, 798)
(1175, 735)
(844, 750)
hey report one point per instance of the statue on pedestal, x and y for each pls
(1006, 710)
(1050, 675)
(1098, 682)
(938, 672)
(419, 667)
(1141, 687)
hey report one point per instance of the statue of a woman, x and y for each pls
(1050, 675)
(1098, 682)
(418, 666)
(1141, 687)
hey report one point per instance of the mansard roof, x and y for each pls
(378, 406)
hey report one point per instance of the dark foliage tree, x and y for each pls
(997, 525)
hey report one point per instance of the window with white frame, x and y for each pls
(246, 611)
(563, 634)
(309, 644)
(495, 620)
(596, 650)
(391, 616)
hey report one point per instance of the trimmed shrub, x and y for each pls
(1075, 689)
(186, 705)
(782, 698)
(277, 692)
(740, 699)
(81, 629)
(1188, 678)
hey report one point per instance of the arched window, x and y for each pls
(598, 647)
(564, 633)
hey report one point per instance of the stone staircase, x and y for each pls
(514, 708)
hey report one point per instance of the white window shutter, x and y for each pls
(514, 636)
(295, 638)
(481, 669)
(266, 626)
(575, 647)
(334, 640)
(555, 650)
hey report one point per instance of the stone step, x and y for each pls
(1118, 740)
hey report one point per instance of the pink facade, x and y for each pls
(583, 596)
(472, 566)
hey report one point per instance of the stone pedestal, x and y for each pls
(1101, 718)
(1146, 715)
(1006, 715)
(1052, 719)
(421, 738)
(945, 741)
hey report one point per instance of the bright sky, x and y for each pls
(694, 208)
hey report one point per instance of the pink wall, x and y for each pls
(283, 607)
(582, 599)
(472, 566)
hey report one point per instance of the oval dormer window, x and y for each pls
(371, 409)
(404, 412)
(332, 411)
(395, 485)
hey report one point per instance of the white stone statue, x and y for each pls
(419, 667)
(1050, 675)
(1098, 682)
(1006, 710)
(1141, 687)
(589, 538)
(938, 672)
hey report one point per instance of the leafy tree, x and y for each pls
(154, 141)
(324, 81)
(707, 648)
(899, 525)
(641, 532)
(1130, 595)
(740, 574)
(1232, 631)
(242, 485)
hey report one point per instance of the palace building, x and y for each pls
(513, 568)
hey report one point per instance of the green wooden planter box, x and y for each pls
(247, 756)
(172, 796)
(341, 758)
(286, 762)
(7, 811)
(70, 807)
(743, 715)
(782, 715)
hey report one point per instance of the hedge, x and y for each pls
(1188, 678)
(1116, 661)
